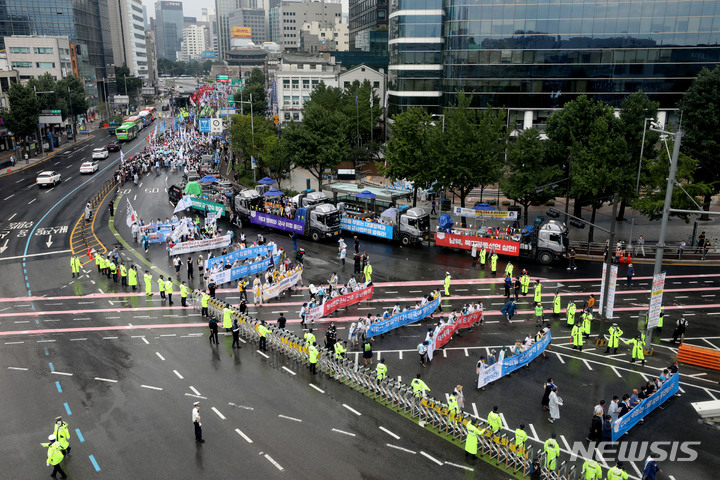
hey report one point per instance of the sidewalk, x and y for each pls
(20, 162)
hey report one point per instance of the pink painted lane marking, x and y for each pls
(96, 310)
(47, 331)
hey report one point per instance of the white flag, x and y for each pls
(184, 203)
(131, 215)
(122, 157)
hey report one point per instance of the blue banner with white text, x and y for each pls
(510, 364)
(368, 228)
(630, 419)
(242, 254)
(403, 318)
(236, 273)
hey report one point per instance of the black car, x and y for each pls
(113, 146)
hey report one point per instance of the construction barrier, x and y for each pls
(700, 356)
(498, 449)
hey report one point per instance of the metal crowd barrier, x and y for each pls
(497, 449)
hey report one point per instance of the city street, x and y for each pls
(124, 369)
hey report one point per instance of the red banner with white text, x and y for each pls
(341, 301)
(442, 335)
(502, 247)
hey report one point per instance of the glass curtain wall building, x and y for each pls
(535, 55)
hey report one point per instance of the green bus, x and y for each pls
(126, 132)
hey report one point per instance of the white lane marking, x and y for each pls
(62, 373)
(105, 380)
(13, 343)
(475, 410)
(195, 391)
(289, 371)
(160, 356)
(169, 335)
(589, 367)
(351, 409)
(45, 341)
(343, 432)
(263, 354)
(195, 396)
(151, 387)
(247, 439)
(616, 372)
(317, 388)
(637, 470)
(178, 374)
(559, 358)
(222, 417)
(502, 417)
(467, 354)
(564, 440)
(430, 457)
(696, 374)
(8, 198)
(290, 418)
(534, 433)
(709, 393)
(32, 201)
(396, 437)
(78, 339)
(400, 448)
(109, 338)
(13, 215)
(460, 466)
(277, 465)
(17, 368)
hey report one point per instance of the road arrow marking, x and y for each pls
(4, 247)
(49, 242)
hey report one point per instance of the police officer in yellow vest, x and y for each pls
(132, 278)
(113, 271)
(483, 257)
(493, 262)
(471, 442)
(54, 456)
(661, 319)
(161, 287)
(577, 338)
(62, 434)
(227, 318)
(381, 370)
(447, 284)
(313, 357)
(538, 313)
(638, 353)
(148, 281)
(453, 408)
(340, 349)
(591, 470)
(183, 294)
(262, 331)
(614, 339)
(123, 274)
(309, 337)
(556, 306)
(587, 323)
(521, 437)
(368, 273)
(570, 311)
(537, 292)
(524, 283)
(419, 387)
(75, 265)
(552, 452)
(204, 302)
(617, 472)
(98, 262)
(169, 290)
(494, 420)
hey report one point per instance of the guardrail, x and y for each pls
(712, 252)
(498, 449)
(95, 205)
(700, 356)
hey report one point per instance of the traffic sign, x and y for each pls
(204, 125)
(216, 125)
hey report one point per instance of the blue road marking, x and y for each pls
(94, 462)
(79, 435)
(57, 384)
(52, 368)
(67, 408)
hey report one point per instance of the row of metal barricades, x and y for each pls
(497, 449)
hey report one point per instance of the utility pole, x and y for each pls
(72, 117)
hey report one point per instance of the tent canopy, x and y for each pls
(365, 194)
(208, 179)
(193, 188)
(273, 192)
(266, 181)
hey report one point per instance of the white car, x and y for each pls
(47, 178)
(100, 153)
(89, 167)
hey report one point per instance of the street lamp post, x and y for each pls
(637, 181)
(72, 117)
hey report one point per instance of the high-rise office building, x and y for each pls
(249, 18)
(534, 56)
(208, 16)
(288, 18)
(169, 24)
(195, 42)
(127, 30)
(151, 52)
(366, 16)
(82, 21)
(223, 9)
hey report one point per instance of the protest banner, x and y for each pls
(502, 247)
(630, 419)
(271, 291)
(496, 214)
(403, 318)
(442, 335)
(226, 276)
(368, 228)
(342, 301)
(510, 364)
(200, 245)
(276, 222)
(242, 254)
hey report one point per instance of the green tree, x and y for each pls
(318, 142)
(22, 120)
(257, 139)
(527, 169)
(655, 170)
(634, 109)
(72, 99)
(256, 91)
(257, 77)
(589, 131)
(45, 88)
(701, 124)
(356, 106)
(126, 84)
(410, 150)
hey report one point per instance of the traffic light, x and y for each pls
(276, 119)
(577, 224)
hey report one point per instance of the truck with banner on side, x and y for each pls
(543, 242)
(405, 225)
(317, 221)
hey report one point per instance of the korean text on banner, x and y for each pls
(656, 296)
(200, 204)
(236, 273)
(341, 301)
(272, 291)
(498, 214)
(278, 223)
(611, 291)
(510, 364)
(442, 335)
(199, 245)
(368, 228)
(403, 318)
(630, 419)
(242, 254)
(502, 247)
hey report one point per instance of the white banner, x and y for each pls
(489, 374)
(611, 291)
(199, 245)
(272, 291)
(497, 214)
(656, 296)
(602, 289)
